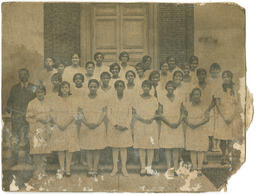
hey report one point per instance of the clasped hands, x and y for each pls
(79, 118)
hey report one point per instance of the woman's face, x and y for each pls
(196, 96)
(40, 94)
(61, 68)
(115, 70)
(124, 59)
(226, 79)
(214, 73)
(130, 77)
(178, 78)
(146, 88)
(170, 88)
(202, 76)
(56, 82)
(65, 89)
(120, 87)
(194, 65)
(148, 62)
(75, 59)
(171, 62)
(90, 69)
(140, 72)
(105, 80)
(155, 78)
(49, 62)
(93, 87)
(164, 68)
(78, 80)
(99, 59)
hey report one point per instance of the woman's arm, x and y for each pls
(196, 125)
(146, 121)
(102, 116)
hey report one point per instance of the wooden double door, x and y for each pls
(120, 27)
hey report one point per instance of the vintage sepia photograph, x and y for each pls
(123, 97)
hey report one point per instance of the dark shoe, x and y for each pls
(68, 174)
(199, 173)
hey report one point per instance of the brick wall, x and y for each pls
(61, 30)
(176, 26)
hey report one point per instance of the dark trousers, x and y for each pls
(20, 138)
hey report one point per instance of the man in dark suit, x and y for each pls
(21, 94)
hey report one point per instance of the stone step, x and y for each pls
(106, 167)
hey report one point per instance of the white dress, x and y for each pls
(124, 70)
(69, 73)
(169, 137)
(196, 139)
(39, 134)
(215, 86)
(206, 98)
(227, 105)
(92, 139)
(119, 112)
(66, 140)
(146, 135)
(99, 70)
(164, 79)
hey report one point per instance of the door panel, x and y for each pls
(133, 34)
(105, 31)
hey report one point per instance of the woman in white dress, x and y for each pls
(105, 86)
(146, 61)
(72, 69)
(172, 132)
(215, 83)
(99, 65)
(124, 59)
(39, 118)
(64, 138)
(196, 140)
(56, 80)
(145, 127)
(154, 77)
(132, 89)
(90, 71)
(227, 116)
(92, 136)
(140, 76)
(119, 134)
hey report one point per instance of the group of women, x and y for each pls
(180, 107)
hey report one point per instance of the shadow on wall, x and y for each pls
(14, 58)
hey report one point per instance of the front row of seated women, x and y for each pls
(117, 122)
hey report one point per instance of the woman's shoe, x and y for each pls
(95, 172)
(90, 173)
(68, 174)
(150, 171)
(59, 174)
(143, 172)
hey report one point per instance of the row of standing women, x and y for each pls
(176, 108)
